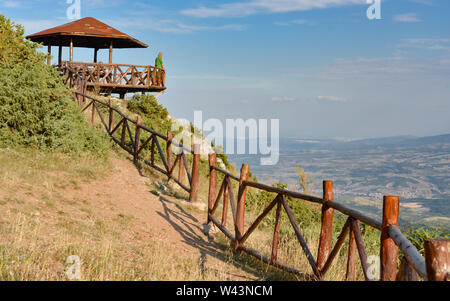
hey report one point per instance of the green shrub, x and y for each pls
(307, 215)
(222, 156)
(36, 108)
(13, 47)
(154, 115)
(418, 236)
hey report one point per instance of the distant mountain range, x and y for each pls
(416, 168)
(383, 141)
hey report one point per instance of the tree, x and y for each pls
(36, 108)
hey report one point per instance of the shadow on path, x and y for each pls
(188, 227)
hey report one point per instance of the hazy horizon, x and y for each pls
(344, 139)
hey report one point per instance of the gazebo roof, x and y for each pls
(86, 33)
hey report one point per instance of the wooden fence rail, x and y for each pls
(115, 75)
(391, 237)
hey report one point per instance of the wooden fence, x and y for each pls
(392, 239)
(124, 129)
(434, 267)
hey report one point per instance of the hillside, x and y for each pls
(105, 213)
(72, 200)
(75, 207)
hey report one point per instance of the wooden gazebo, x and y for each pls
(108, 78)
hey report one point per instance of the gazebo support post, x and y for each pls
(95, 55)
(71, 50)
(110, 52)
(59, 55)
(49, 59)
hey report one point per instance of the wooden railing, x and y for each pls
(127, 133)
(435, 266)
(118, 76)
(391, 237)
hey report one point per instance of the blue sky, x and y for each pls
(320, 66)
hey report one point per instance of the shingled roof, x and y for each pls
(87, 33)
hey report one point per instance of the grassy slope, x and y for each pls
(42, 222)
(53, 207)
(308, 217)
(41, 226)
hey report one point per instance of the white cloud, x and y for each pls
(294, 22)
(427, 40)
(425, 2)
(220, 77)
(439, 47)
(407, 18)
(331, 99)
(172, 26)
(283, 99)
(179, 27)
(34, 26)
(387, 67)
(101, 3)
(287, 99)
(300, 21)
(242, 9)
(426, 43)
(11, 4)
(360, 66)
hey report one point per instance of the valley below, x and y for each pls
(363, 171)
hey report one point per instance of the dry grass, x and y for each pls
(41, 226)
(29, 252)
(290, 252)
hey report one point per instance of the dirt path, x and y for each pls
(162, 218)
(123, 226)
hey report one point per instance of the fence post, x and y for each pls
(389, 250)
(84, 91)
(111, 121)
(137, 137)
(195, 174)
(406, 272)
(327, 225)
(75, 96)
(351, 258)
(181, 164)
(240, 207)
(276, 232)
(169, 151)
(93, 112)
(437, 259)
(212, 183)
(77, 89)
(124, 131)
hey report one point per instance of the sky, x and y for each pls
(321, 67)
